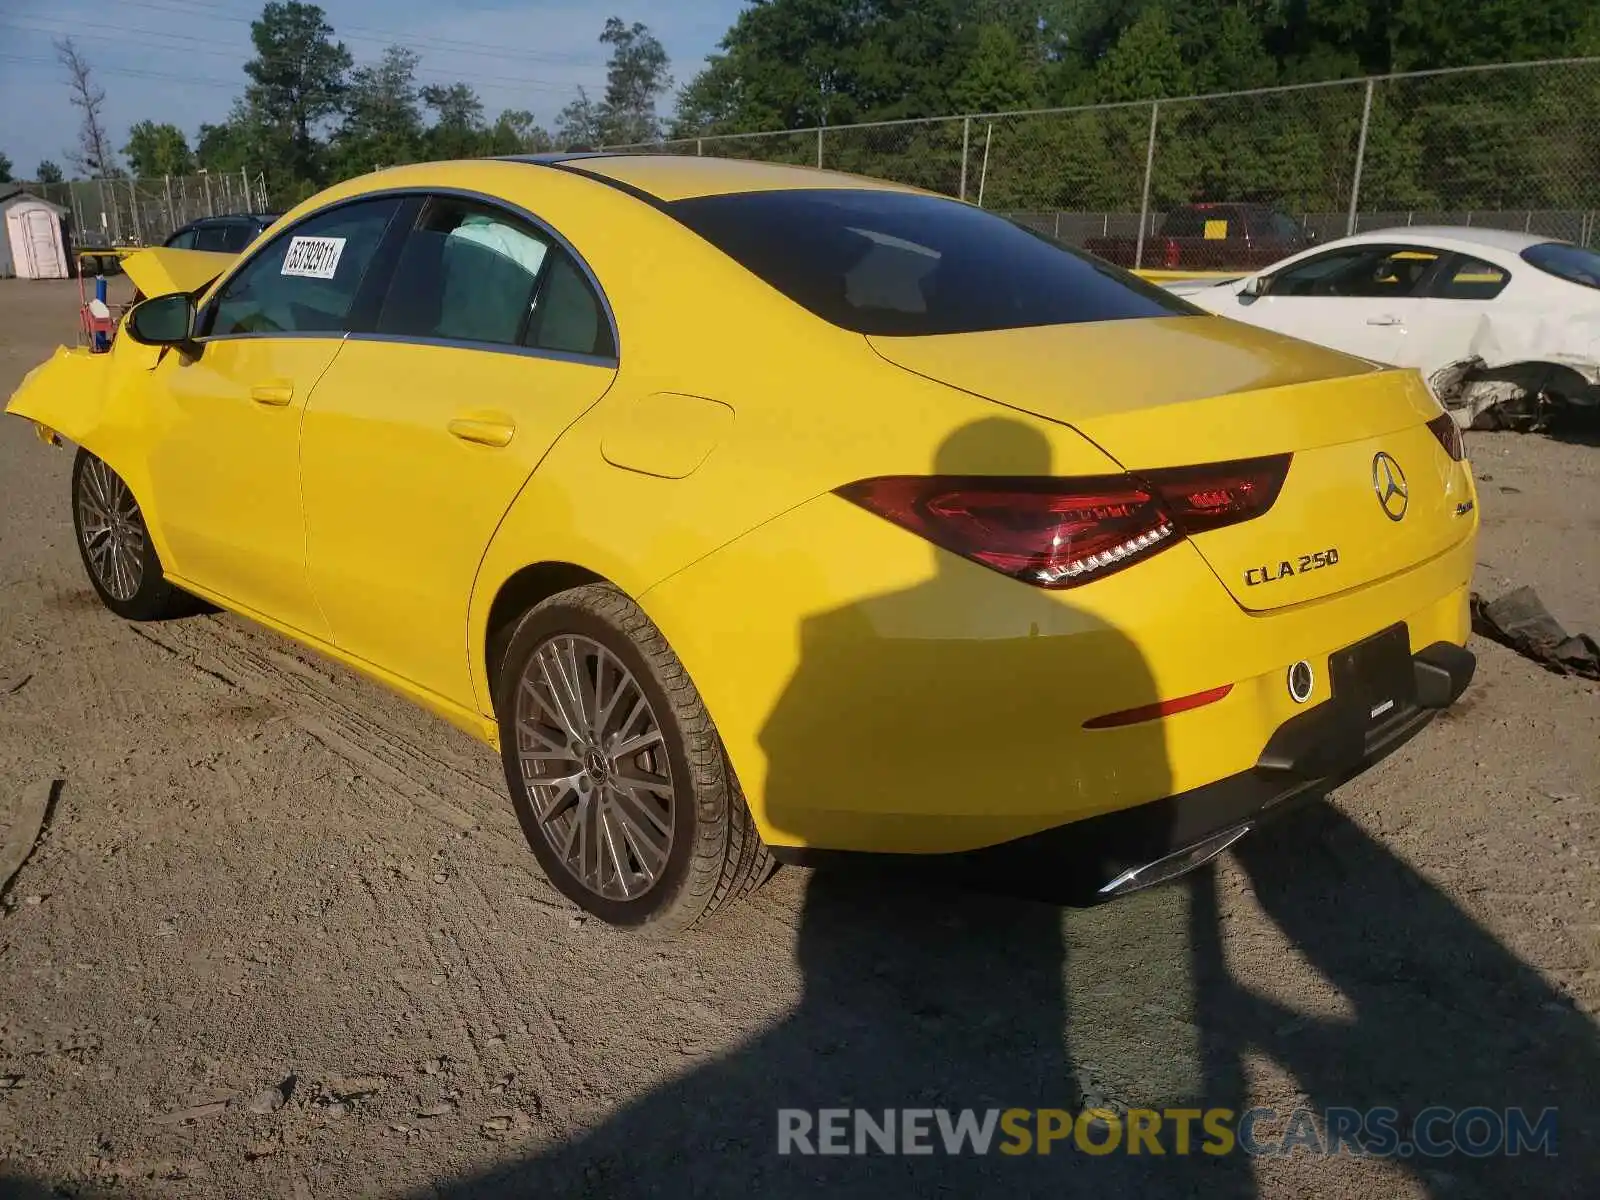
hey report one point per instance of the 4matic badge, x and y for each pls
(1288, 568)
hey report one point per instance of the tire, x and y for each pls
(674, 843)
(114, 543)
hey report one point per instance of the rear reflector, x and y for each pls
(1444, 428)
(1058, 533)
(1163, 708)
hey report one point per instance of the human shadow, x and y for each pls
(1443, 1015)
(918, 710)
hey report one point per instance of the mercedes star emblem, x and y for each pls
(1389, 482)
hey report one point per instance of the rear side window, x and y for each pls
(1186, 222)
(304, 280)
(213, 237)
(1575, 264)
(1471, 279)
(471, 273)
(236, 235)
(466, 274)
(900, 264)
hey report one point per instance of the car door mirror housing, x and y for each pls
(1254, 286)
(162, 321)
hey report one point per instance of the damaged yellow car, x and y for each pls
(763, 514)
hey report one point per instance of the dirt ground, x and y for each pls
(281, 936)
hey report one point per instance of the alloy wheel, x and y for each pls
(112, 530)
(593, 760)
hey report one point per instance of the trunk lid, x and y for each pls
(1182, 391)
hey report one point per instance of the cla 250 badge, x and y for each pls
(1287, 568)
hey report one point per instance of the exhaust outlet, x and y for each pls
(1179, 862)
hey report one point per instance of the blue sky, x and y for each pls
(181, 60)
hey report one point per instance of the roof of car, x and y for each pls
(670, 177)
(1513, 241)
(259, 218)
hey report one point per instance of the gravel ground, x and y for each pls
(281, 936)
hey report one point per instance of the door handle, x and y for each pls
(275, 395)
(1386, 319)
(484, 433)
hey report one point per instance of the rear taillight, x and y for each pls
(1058, 533)
(1449, 434)
(1218, 494)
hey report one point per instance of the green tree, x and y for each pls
(154, 150)
(515, 131)
(458, 130)
(5, 167)
(48, 172)
(1145, 62)
(788, 63)
(579, 123)
(233, 143)
(998, 75)
(1226, 51)
(711, 102)
(383, 116)
(297, 81)
(635, 77)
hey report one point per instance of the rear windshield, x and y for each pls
(894, 263)
(1566, 261)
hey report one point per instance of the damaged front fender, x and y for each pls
(1523, 396)
(1522, 368)
(65, 395)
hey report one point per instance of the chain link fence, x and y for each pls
(1511, 146)
(142, 212)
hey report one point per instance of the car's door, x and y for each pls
(493, 338)
(1353, 298)
(226, 471)
(1443, 324)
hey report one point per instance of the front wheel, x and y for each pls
(619, 779)
(115, 545)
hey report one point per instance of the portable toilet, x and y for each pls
(35, 246)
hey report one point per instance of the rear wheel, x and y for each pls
(619, 779)
(114, 542)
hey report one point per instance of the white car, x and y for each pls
(1504, 326)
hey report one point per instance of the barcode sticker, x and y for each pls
(313, 257)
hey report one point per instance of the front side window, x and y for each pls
(902, 264)
(472, 273)
(1284, 228)
(1356, 271)
(181, 241)
(1575, 264)
(306, 279)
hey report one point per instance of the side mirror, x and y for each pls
(162, 321)
(1254, 286)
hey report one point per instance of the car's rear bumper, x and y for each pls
(1122, 851)
(868, 704)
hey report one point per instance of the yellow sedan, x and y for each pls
(760, 514)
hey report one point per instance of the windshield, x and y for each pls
(1575, 264)
(897, 263)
